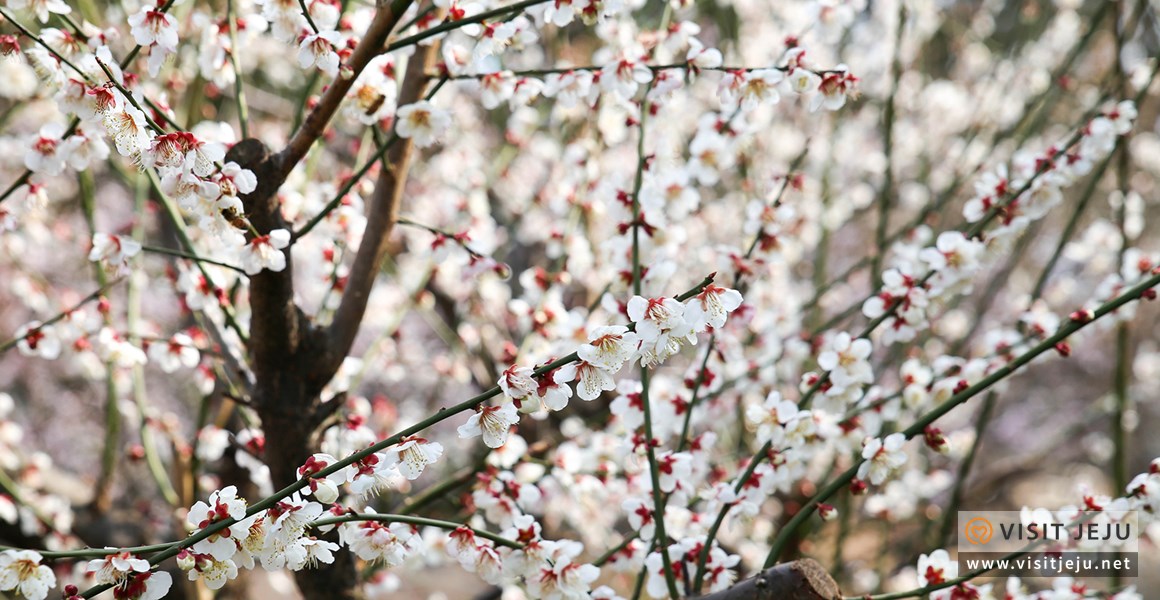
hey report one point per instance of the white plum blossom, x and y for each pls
(324, 489)
(711, 307)
(492, 422)
(413, 455)
(801, 81)
(128, 127)
(264, 252)
(640, 513)
(176, 353)
(775, 417)
(223, 504)
(749, 90)
(846, 360)
(661, 325)
(624, 76)
(114, 252)
(517, 383)
(709, 156)
(37, 339)
(151, 26)
(21, 571)
(290, 516)
(213, 572)
(116, 567)
(609, 347)
(421, 122)
(319, 49)
(614, 157)
(148, 585)
(936, 568)
(42, 8)
(82, 150)
(570, 88)
(953, 251)
(156, 30)
(560, 576)
(701, 57)
(835, 87)
(373, 473)
(675, 469)
(593, 379)
(656, 584)
(375, 541)
(48, 154)
(882, 457)
(553, 393)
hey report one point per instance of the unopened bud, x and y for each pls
(186, 560)
(857, 487)
(935, 440)
(9, 45)
(1064, 349)
(827, 512)
(808, 381)
(1082, 316)
(325, 491)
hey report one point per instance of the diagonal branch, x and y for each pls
(369, 47)
(381, 219)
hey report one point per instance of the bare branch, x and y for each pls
(315, 124)
(383, 214)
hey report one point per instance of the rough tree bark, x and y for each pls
(291, 357)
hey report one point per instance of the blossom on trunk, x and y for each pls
(265, 252)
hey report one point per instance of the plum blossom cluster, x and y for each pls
(107, 105)
(920, 282)
(660, 328)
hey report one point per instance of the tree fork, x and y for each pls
(286, 380)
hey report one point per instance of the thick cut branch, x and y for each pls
(802, 579)
(381, 218)
(315, 123)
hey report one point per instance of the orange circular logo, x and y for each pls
(978, 531)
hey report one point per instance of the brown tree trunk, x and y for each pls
(291, 358)
(285, 354)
